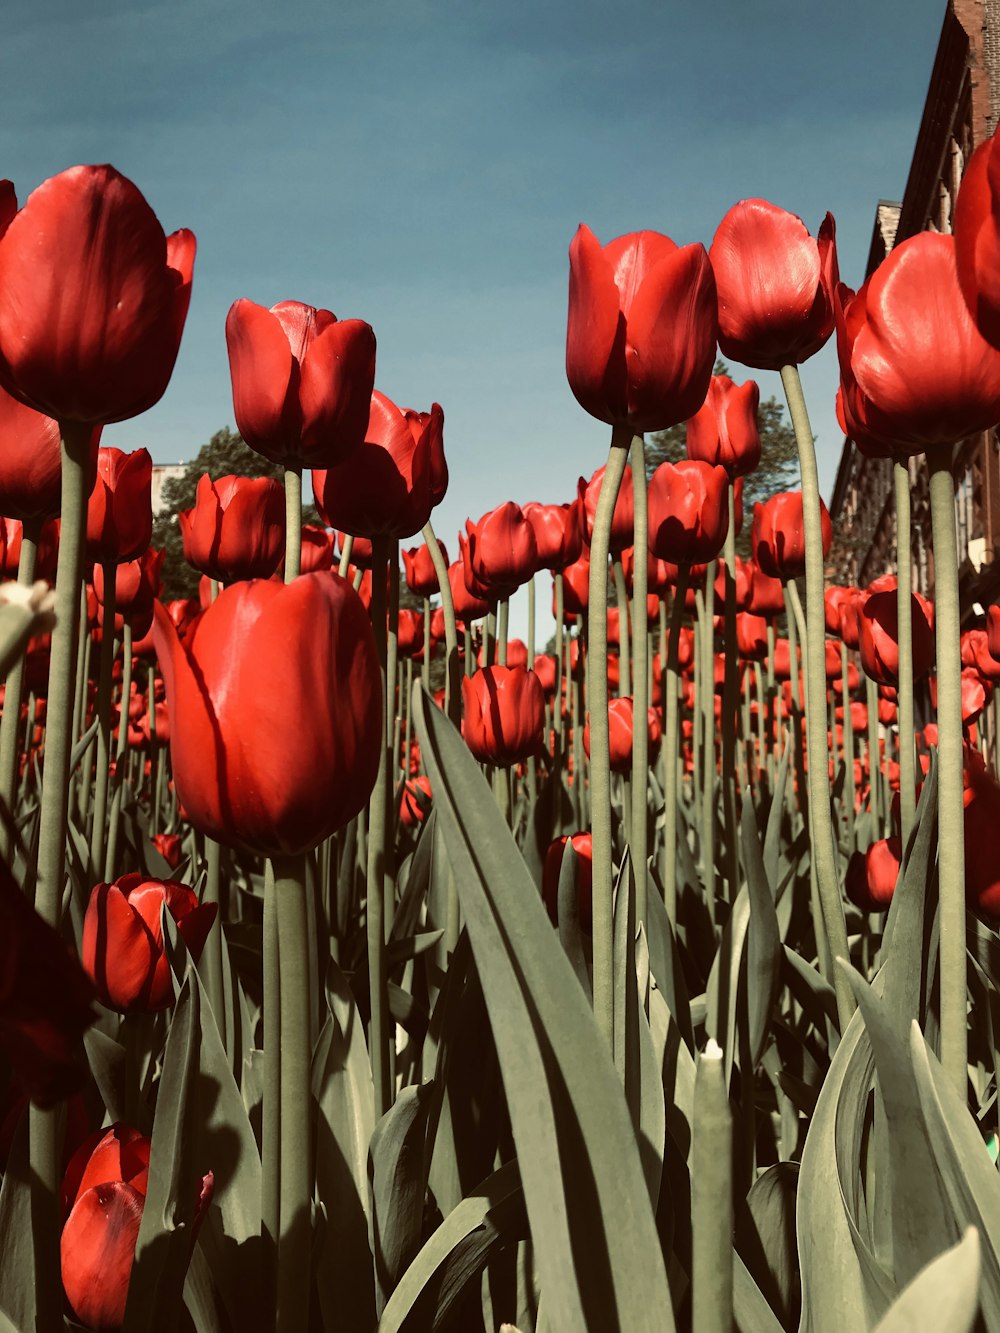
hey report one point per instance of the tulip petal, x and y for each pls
(118, 951)
(595, 362)
(261, 366)
(337, 379)
(97, 1251)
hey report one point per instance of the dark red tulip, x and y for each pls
(768, 594)
(274, 712)
(137, 585)
(583, 850)
(879, 637)
(751, 636)
(120, 511)
(317, 549)
(302, 381)
(836, 600)
(421, 576)
(782, 663)
(502, 551)
(775, 285)
(724, 429)
(558, 533)
(576, 587)
(976, 653)
(977, 239)
(11, 531)
(623, 519)
(915, 371)
(93, 298)
(620, 725)
(415, 802)
(871, 876)
(982, 820)
(361, 550)
(745, 572)
(688, 511)
(504, 714)
(640, 341)
(779, 536)
(661, 575)
(468, 606)
(170, 846)
(236, 529)
(30, 461)
(410, 639)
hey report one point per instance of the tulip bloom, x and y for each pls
(879, 637)
(583, 850)
(688, 511)
(775, 283)
(767, 596)
(576, 587)
(977, 239)
(170, 847)
(872, 875)
(468, 605)
(120, 511)
(418, 567)
(302, 381)
(504, 714)
(976, 653)
(415, 801)
(30, 461)
(915, 370)
(558, 533)
(236, 529)
(316, 551)
(751, 637)
(275, 712)
(623, 519)
(744, 577)
(620, 725)
(724, 429)
(641, 334)
(410, 636)
(779, 537)
(502, 550)
(391, 482)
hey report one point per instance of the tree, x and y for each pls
(225, 455)
(779, 458)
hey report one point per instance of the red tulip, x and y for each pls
(236, 529)
(302, 381)
(768, 594)
(620, 725)
(421, 576)
(775, 285)
(583, 851)
(137, 585)
(170, 847)
(982, 819)
(976, 653)
(30, 461)
(623, 519)
(745, 572)
(661, 575)
(415, 803)
(504, 714)
(361, 549)
(688, 511)
(468, 606)
(93, 298)
(120, 512)
(879, 639)
(751, 636)
(558, 533)
(915, 371)
(977, 239)
(410, 639)
(641, 335)
(317, 549)
(274, 712)
(872, 875)
(576, 586)
(724, 429)
(502, 551)
(779, 538)
(11, 532)
(545, 669)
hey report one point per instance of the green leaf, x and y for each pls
(17, 1245)
(943, 1297)
(398, 1183)
(665, 965)
(595, 1238)
(765, 1237)
(568, 916)
(764, 952)
(722, 990)
(751, 1312)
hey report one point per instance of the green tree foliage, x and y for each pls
(779, 459)
(224, 455)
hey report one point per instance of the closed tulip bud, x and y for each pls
(853, 680)
(688, 511)
(517, 653)
(623, 519)
(391, 482)
(122, 947)
(576, 587)
(137, 585)
(879, 641)
(915, 371)
(502, 551)
(504, 714)
(767, 593)
(93, 298)
(976, 653)
(751, 636)
(120, 511)
(468, 606)
(421, 576)
(583, 864)
(415, 802)
(302, 381)
(411, 633)
(838, 600)
(977, 239)
(776, 285)
(872, 875)
(30, 461)
(274, 656)
(558, 533)
(724, 429)
(744, 585)
(779, 537)
(317, 549)
(236, 528)
(620, 727)
(170, 846)
(640, 341)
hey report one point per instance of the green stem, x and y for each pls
(600, 764)
(711, 1198)
(425, 666)
(706, 610)
(211, 958)
(453, 675)
(532, 761)
(10, 723)
(375, 898)
(640, 676)
(904, 618)
(951, 821)
(503, 619)
(85, 785)
(823, 843)
(874, 757)
(730, 691)
(293, 523)
(850, 790)
(111, 860)
(391, 672)
(271, 1110)
(405, 705)
(346, 551)
(557, 709)
(621, 599)
(668, 863)
(104, 687)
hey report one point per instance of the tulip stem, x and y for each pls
(904, 625)
(532, 759)
(706, 614)
(711, 1197)
(824, 851)
(453, 675)
(730, 704)
(621, 602)
(293, 523)
(10, 723)
(391, 740)
(425, 666)
(600, 758)
(346, 551)
(271, 1111)
(503, 619)
(874, 758)
(557, 710)
(640, 676)
(951, 821)
(211, 959)
(375, 894)
(850, 791)
(104, 687)
(671, 687)
(296, 1185)
(111, 858)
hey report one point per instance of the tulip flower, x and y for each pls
(576, 586)
(981, 822)
(744, 577)
(623, 519)
(391, 482)
(661, 575)
(502, 550)
(724, 429)
(688, 511)
(504, 714)
(977, 239)
(361, 549)
(468, 605)
(767, 593)
(302, 381)
(317, 549)
(640, 341)
(30, 461)
(915, 371)
(236, 528)
(558, 530)
(620, 724)
(122, 947)
(169, 845)
(778, 535)
(415, 802)
(582, 844)
(93, 298)
(421, 576)
(879, 638)
(410, 634)
(137, 585)
(775, 285)
(120, 512)
(545, 669)
(275, 712)
(872, 875)
(976, 653)
(751, 636)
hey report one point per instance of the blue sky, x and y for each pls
(423, 164)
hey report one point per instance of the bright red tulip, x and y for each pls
(317, 549)
(620, 725)
(468, 606)
(623, 519)
(879, 637)
(688, 511)
(583, 851)
(416, 801)
(779, 536)
(275, 712)
(502, 550)
(871, 876)
(410, 639)
(640, 342)
(751, 636)
(768, 594)
(976, 653)
(170, 847)
(724, 429)
(545, 669)
(558, 533)
(775, 285)
(391, 482)
(236, 529)
(120, 511)
(504, 714)
(30, 461)
(302, 381)
(576, 587)
(421, 576)
(977, 239)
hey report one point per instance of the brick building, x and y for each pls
(961, 110)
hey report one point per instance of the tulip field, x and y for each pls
(365, 967)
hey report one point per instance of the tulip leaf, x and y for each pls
(723, 988)
(943, 1297)
(676, 1065)
(595, 1239)
(568, 914)
(106, 1058)
(772, 835)
(764, 951)
(751, 1312)
(18, 1281)
(765, 1236)
(652, 1112)
(665, 965)
(398, 1174)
